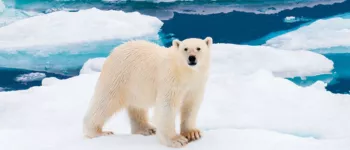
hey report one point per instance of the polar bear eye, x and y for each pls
(186, 49)
(198, 48)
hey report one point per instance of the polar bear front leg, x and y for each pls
(165, 113)
(189, 111)
(139, 121)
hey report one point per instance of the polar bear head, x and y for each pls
(195, 52)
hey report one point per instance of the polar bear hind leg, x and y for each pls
(99, 113)
(139, 121)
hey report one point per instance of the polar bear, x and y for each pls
(139, 75)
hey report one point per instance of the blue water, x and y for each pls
(233, 27)
(341, 82)
(240, 27)
(8, 79)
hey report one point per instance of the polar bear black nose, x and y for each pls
(192, 59)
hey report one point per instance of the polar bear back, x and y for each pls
(133, 69)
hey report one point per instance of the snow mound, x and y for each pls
(262, 101)
(319, 85)
(49, 81)
(323, 33)
(35, 76)
(92, 65)
(246, 59)
(59, 28)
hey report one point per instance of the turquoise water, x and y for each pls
(341, 82)
(58, 59)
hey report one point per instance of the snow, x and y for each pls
(92, 65)
(60, 28)
(243, 104)
(62, 41)
(49, 81)
(245, 59)
(319, 85)
(323, 33)
(262, 101)
(35, 76)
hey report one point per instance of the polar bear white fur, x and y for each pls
(139, 75)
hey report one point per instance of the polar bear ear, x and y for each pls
(176, 43)
(208, 41)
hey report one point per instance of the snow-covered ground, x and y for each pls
(92, 65)
(246, 107)
(63, 40)
(323, 33)
(245, 59)
(62, 27)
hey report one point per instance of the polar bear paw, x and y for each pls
(178, 141)
(149, 130)
(98, 134)
(192, 135)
